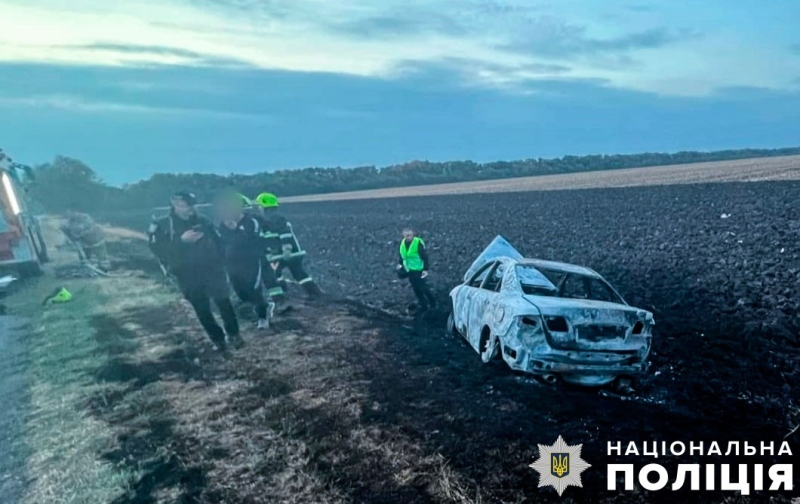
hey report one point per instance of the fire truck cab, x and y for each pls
(22, 247)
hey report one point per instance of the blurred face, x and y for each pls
(408, 235)
(182, 209)
(230, 210)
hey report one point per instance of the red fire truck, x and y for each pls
(22, 248)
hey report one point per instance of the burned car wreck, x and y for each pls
(548, 318)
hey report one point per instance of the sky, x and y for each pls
(243, 86)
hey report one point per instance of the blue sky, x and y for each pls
(138, 87)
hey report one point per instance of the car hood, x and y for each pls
(498, 248)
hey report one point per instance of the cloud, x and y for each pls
(639, 8)
(153, 53)
(556, 38)
(83, 105)
(265, 119)
(506, 41)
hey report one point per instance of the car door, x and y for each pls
(467, 296)
(479, 300)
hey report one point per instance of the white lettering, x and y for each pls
(714, 450)
(750, 450)
(613, 469)
(731, 444)
(781, 473)
(758, 477)
(764, 448)
(632, 450)
(694, 469)
(785, 449)
(740, 485)
(695, 449)
(710, 476)
(654, 453)
(618, 448)
(682, 447)
(663, 477)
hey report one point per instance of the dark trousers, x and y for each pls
(421, 289)
(295, 267)
(269, 278)
(200, 288)
(248, 287)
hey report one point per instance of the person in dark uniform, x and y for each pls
(413, 264)
(191, 249)
(244, 250)
(283, 250)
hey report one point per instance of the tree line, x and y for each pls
(67, 182)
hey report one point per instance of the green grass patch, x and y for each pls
(64, 442)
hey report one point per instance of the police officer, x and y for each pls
(244, 250)
(284, 250)
(413, 264)
(190, 248)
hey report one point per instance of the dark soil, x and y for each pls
(725, 364)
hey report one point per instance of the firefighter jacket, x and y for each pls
(281, 241)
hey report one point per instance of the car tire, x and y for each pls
(452, 330)
(489, 346)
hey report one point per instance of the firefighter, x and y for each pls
(190, 248)
(413, 264)
(284, 250)
(244, 250)
(86, 234)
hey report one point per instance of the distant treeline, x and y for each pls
(67, 182)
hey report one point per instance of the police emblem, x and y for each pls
(560, 465)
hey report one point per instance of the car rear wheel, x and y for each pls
(489, 345)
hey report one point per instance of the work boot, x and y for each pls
(313, 290)
(263, 324)
(236, 340)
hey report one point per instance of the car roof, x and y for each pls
(559, 266)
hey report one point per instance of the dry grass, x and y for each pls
(63, 355)
(746, 170)
(229, 410)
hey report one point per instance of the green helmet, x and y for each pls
(246, 203)
(267, 200)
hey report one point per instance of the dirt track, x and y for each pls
(745, 170)
(382, 410)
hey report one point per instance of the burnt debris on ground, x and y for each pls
(718, 265)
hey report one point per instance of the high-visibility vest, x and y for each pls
(410, 254)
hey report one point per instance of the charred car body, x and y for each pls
(548, 318)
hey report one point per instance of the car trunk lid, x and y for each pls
(580, 324)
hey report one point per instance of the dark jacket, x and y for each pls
(423, 254)
(182, 258)
(277, 231)
(244, 245)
